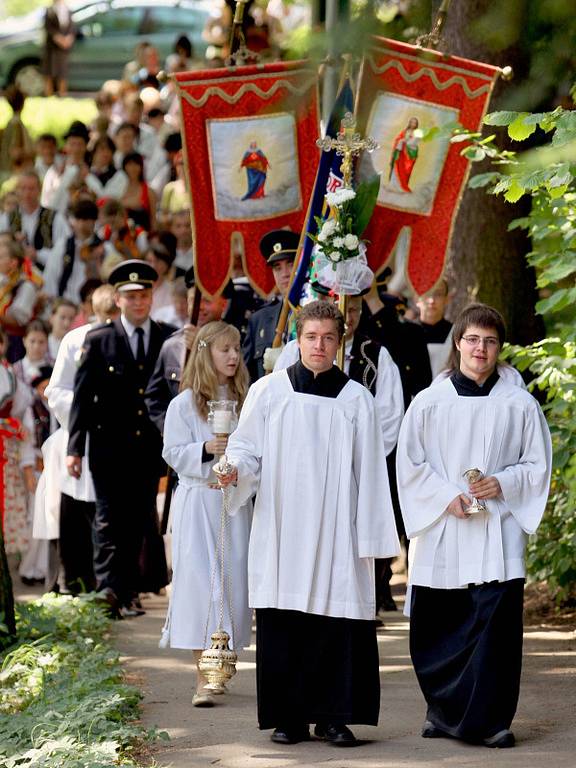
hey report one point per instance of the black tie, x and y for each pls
(140, 351)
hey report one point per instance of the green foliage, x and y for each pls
(548, 175)
(20, 7)
(63, 702)
(53, 115)
(362, 206)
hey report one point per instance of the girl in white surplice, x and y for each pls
(215, 371)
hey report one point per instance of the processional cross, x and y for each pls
(348, 144)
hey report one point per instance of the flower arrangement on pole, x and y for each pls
(339, 257)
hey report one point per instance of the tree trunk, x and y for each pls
(486, 262)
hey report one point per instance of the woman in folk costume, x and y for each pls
(468, 535)
(215, 371)
(404, 156)
(19, 290)
(16, 457)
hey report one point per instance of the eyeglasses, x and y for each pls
(475, 341)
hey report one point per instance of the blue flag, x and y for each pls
(328, 179)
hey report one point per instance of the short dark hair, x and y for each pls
(84, 210)
(88, 288)
(130, 126)
(320, 310)
(184, 43)
(37, 325)
(481, 315)
(62, 302)
(48, 137)
(15, 97)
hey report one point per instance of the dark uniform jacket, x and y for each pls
(164, 383)
(109, 405)
(259, 336)
(407, 346)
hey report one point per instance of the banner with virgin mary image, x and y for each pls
(249, 138)
(407, 94)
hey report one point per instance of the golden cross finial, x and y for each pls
(347, 144)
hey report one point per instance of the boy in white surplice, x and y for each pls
(309, 443)
(466, 570)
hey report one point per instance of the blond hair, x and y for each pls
(200, 374)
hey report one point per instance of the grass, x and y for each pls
(63, 700)
(50, 115)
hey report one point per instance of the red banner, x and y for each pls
(405, 92)
(249, 142)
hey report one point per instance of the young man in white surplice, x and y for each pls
(309, 442)
(466, 563)
(215, 371)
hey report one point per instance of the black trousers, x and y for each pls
(315, 669)
(466, 647)
(125, 518)
(76, 545)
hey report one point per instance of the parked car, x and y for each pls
(108, 32)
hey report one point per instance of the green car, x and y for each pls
(108, 31)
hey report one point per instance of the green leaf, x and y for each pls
(500, 118)
(519, 130)
(514, 193)
(556, 192)
(556, 302)
(483, 179)
(362, 206)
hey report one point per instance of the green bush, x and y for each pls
(63, 701)
(53, 115)
(548, 175)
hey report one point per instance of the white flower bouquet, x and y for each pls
(340, 262)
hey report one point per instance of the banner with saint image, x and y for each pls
(249, 138)
(404, 94)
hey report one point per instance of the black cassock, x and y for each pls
(311, 668)
(466, 644)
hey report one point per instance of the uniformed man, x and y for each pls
(125, 447)
(437, 329)
(279, 248)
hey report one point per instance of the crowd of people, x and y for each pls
(105, 383)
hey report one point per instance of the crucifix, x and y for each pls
(348, 144)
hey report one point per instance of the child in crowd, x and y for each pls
(61, 319)
(34, 565)
(46, 154)
(214, 371)
(36, 349)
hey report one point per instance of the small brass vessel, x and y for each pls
(218, 663)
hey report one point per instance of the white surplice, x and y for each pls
(389, 397)
(323, 508)
(195, 513)
(503, 434)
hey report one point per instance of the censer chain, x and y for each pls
(225, 578)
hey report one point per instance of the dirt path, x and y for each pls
(227, 735)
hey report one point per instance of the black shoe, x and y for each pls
(339, 735)
(131, 610)
(430, 731)
(388, 605)
(290, 735)
(501, 740)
